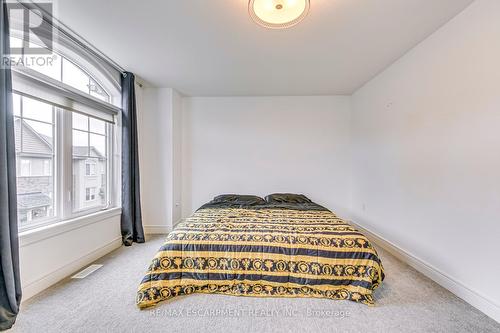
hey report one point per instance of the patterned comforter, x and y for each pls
(263, 252)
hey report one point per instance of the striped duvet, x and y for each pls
(265, 253)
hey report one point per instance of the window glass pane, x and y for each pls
(90, 165)
(16, 42)
(49, 65)
(97, 126)
(33, 39)
(80, 143)
(42, 129)
(80, 122)
(37, 110)
(89, 183)
(97, 91)
(104, 98)
(36, 137)
(35, 160)
(75, 77)
(97, 145)
(59, 68)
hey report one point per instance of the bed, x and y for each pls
(248, 246)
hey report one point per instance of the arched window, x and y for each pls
(55, 66)
(66, 106)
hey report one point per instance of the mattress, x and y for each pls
(270, 251)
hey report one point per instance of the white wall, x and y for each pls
(52, 253)
(159, 157)
(261, 145)
(426, 142)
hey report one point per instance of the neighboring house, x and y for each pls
(35, 181)
(89, 178)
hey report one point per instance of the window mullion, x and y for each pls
(110, 172)
(21, 113)
(55, 168)
(66, 164)
(88, 137)
(58, 163)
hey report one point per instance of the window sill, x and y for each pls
(38, 234)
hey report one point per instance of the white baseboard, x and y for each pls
(160, 229)
(156, 229)
(477, 300)
(35, 287)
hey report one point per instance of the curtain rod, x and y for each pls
(89, 46)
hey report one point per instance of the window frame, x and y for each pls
(62, 164)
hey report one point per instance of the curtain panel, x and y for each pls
(131, 219)
(10, 284)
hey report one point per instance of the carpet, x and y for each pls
(407, 301)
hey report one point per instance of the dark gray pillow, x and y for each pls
(287, 198)
(236, 199)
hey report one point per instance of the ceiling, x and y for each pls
(213, 48)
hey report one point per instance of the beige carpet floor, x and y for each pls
(105, 302)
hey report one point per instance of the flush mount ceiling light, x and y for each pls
(278, 14)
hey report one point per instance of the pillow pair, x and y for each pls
(251, 200)
(289, 198)
(236, 199)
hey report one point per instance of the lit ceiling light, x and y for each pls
(278, 14)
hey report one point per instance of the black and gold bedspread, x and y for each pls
(263, 252)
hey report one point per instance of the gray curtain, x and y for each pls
(131, 220)
(10, 284)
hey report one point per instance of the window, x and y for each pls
(62, 69)
(90, 193)
(25, 170)
(46, 168)
(65, 137)
(90, 168)
(35, 132)
(34, 167)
